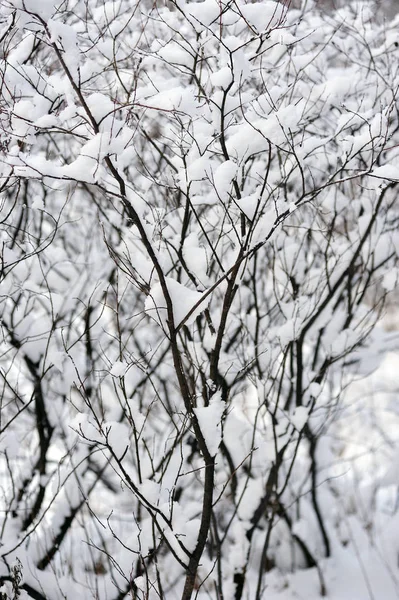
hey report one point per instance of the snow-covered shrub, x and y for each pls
(199, 232)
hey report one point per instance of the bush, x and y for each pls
(199, 236)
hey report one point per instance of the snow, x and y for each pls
(263, 15)
(38, 204)
(387, 172)
(287, 332)
(203, 13)
(210, 422)
(222, 78)
(118, 369)
(190, 534)
(45, 9)
(173, 99)
(196, 258)
(183, 301)
(249, 204)
(118, 437)
(390, 281)
(58, 359)
(65, 36)
(299, 417)
(223, 178)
